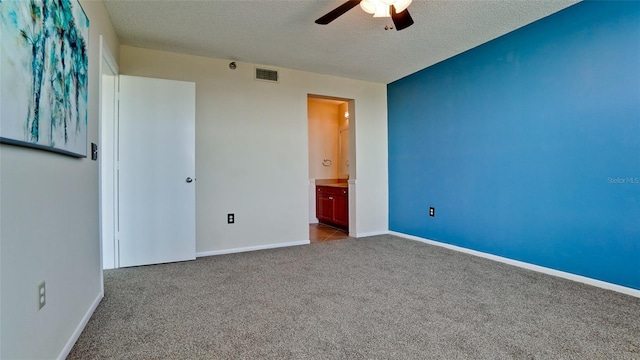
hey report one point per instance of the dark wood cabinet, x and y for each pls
(341, 209)
(332, 205)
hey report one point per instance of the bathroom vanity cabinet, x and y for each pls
(332, 204)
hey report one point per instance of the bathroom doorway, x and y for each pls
(331, 182)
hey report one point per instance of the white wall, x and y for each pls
(252, 148)
(49, 231)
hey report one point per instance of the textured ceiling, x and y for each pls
(282, 33)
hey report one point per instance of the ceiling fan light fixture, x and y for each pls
(368, 6)
(401, 5)
(382, 10)
(394, 9)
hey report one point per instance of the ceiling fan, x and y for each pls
(396, 9)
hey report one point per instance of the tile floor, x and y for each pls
(322, 232)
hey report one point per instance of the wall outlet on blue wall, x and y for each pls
(432, 211)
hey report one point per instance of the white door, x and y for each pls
(156, 171)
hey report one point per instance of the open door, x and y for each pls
(156, 171)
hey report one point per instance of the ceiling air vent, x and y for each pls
(266, 75)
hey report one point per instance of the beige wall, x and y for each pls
(323, 139)
(252, 148)
(49, 231)
(343, 148)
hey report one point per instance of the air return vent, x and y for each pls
(266, 75)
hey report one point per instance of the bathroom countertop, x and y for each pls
(339, 185)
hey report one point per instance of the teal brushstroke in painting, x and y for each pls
(58, 62)
(13, 17)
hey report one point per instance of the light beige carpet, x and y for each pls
(374, 298)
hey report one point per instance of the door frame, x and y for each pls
(108, 65)
(351, 106)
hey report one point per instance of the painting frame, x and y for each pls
(44, 75)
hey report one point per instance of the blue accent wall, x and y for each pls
(528, 146)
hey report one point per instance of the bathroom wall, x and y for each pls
(323, 138)
(343, 141)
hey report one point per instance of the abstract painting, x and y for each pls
(44, 74)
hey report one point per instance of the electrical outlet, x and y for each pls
(231, 218)
(432, 211)
(42, 295)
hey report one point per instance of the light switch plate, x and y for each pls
(94, 151)
(42, 295)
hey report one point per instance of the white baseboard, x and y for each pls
(252, 248)
(372, 233)
(528, 266)
(76, 334)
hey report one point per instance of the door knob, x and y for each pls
(189, 179)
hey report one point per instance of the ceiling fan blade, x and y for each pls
(401, 20)
(337, 12)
